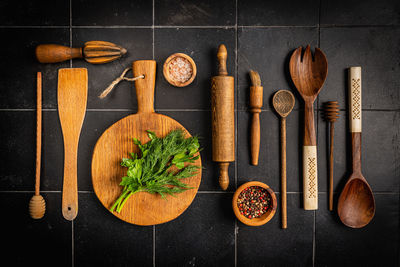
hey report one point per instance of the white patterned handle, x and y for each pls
(355, 99)
(310, 181)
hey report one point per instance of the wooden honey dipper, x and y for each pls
(331, 114)
(37, 205)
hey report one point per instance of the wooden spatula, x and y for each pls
(72, 99)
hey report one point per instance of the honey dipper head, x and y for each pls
(37, 207)
(331, 111)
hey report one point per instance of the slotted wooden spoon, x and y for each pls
(308, 76)
(356, 206)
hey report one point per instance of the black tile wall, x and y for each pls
(34, 13)
(369, 12)
(34, 242)
(113, 13)
(259, 35)
(195, 13)
(278, 13)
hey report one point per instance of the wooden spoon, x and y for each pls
(308, 76)
(356, 206)
(283, 102)
(37, 205)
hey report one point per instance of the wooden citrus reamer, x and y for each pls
(95, 52)
(223, 118)
(72, 98)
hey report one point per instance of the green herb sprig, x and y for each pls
(150, 169)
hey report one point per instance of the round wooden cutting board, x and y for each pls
(117, 142)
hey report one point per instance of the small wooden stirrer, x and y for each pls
(37, 205)
(256, 102)
(331, 113)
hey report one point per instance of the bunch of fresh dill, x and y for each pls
(150, 169)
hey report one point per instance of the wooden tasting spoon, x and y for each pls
(356, 206)
(283, 102)
(308, 76)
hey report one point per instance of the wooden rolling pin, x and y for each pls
(223, 118)
(95, 52)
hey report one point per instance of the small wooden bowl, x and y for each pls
(170, 78)
(255, 221)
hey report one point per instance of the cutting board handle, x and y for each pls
(145, 87)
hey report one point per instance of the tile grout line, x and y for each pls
(153, 46)
(237, 121)
(318, 112)
(191, 26)
(175, 110)
(70, 65)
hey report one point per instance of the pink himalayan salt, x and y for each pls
(180, 69)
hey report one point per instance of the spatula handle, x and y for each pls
(53, 53)
(310, 176)
(355, 99)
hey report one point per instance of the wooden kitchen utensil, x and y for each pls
(256, 102)
(117, 142)
(331, 112)
(356, 206)
(308, 76)
(37, 205)
(223, 118)
(95, 52)
(283, 102)
(72, 98)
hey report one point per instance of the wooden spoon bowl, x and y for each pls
(356, 206)
(266, 217)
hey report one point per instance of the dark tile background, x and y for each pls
(259, 35)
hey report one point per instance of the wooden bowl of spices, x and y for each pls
(254, 203)
(179, 70)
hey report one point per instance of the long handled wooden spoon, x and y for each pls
(283, 102)
(72, 99)
(308, 76)
(356, 206)
(37, 205)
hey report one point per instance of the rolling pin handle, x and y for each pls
(222, 56)
(223, 175)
